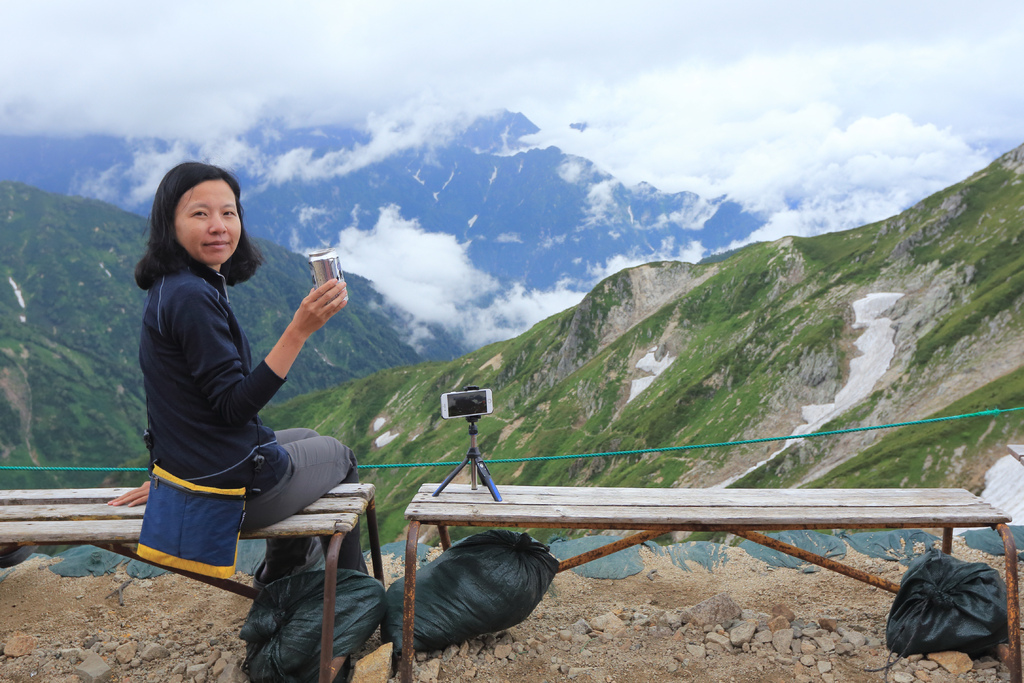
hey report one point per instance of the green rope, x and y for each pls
(983, 413)
(992, 412)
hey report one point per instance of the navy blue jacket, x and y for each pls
(201, 394)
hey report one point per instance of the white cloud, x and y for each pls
(517, 309)
(692, 219)
(420, 123)
(308, 214)
(552, 241)
(600, 202)
(691, 252)
(102, 186)
(430, 277)
(783, 130)
(820, 115)
(571, 170)
(429, 273)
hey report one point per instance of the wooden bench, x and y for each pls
(743, 512)
(82, 517)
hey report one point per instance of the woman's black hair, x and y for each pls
(164, 255)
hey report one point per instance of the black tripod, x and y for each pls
(473, 457)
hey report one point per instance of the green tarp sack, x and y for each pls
(282, 630)
(947, 604)
(485, 583)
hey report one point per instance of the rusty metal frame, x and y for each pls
(409, 600)
(825, 562)
(245, 590)
(329, 667)
(1013, 660)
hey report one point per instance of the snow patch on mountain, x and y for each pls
(17, 293)
(648, 364)
(385, 438)
(1004, 487)
(877, 349)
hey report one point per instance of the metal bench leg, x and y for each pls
(446, 539)
(375, 560)
(409, 606)
(947, 540)
(1012, 602)
(329, 667)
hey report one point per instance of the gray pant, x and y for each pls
(318, 464)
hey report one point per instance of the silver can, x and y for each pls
(324, 264)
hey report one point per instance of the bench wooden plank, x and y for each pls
(97, 511)
(529, 495)
(127, 530)
(35, 496)
(1017, 451)
(102, 495)
(69, 513)
(633, 517)
(307, 525)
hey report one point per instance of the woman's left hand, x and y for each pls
(137, 496)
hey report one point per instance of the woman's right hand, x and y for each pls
(316, 309)
(319, 306)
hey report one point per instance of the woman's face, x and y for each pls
(206, 223)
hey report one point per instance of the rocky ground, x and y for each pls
(744, 622)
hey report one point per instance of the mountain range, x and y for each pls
(528, 217)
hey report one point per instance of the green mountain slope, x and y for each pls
(751, 340)
(70, 387)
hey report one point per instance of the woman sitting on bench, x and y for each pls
(203, 395)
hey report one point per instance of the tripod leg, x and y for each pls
(451, 475)
(485, 476)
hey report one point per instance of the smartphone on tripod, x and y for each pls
(470, 403)
(466, 403)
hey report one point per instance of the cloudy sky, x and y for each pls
(820, 115)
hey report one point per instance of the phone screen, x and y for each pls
(466, 403)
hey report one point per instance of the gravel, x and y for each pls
(743, 622)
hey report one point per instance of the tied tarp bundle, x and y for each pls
(283, 628)
(947, 604)
(485, 583)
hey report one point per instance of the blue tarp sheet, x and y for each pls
(817, 543)
(705, 553)
(618, 565)
(398, 550)
(989, 541)
(889, 545)
(84, 560)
